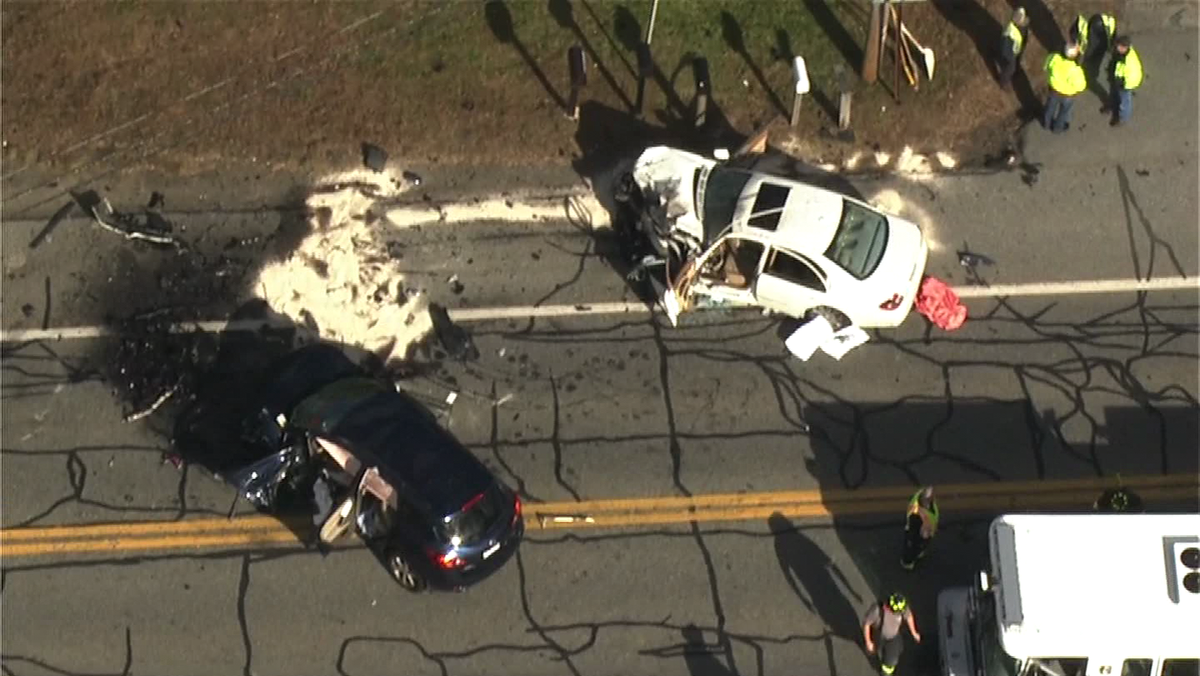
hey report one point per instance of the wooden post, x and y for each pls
(870, 64)
(577, 64)
(703, 85)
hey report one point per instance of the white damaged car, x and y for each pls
(735, 236)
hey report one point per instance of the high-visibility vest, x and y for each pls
(1082, 24)
(1129, 69)
(914, 507)
(1013, 33)
(1081, 32)
(1064, 75)
(1110, 25)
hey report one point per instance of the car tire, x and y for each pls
(403, 573)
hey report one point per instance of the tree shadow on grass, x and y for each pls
(732, 31)
(837, 33)
(564, 14)
(499, 20)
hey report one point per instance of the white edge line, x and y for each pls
(613, 308)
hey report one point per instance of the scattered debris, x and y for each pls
(374, 157)
(455, 286)
(27, 310)
(156, 200)
(827, 330)
(454, 339)
(451, 398)
(411, 177)
(972, 260)
(940, 305)
(1142, 172)
(148, 227)
(359, 296)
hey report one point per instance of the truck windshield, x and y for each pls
(986, 635)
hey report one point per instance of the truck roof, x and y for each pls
(1074, 585)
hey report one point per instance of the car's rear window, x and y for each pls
(859, 241)
(480, 513)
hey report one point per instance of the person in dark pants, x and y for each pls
(920, 525)
(1066, 80)
(881, 630)
(1125, 75)
(1012, 45)
(1094, 36)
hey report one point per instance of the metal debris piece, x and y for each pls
(412, 178)
(162, 399)
(454, 339)
(150, 227)
(971, 260)
(455, 286)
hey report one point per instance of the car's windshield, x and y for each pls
(985, 634)
(470, 523)
(859, 241)
(720, 195)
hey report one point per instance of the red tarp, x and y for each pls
(940, 305)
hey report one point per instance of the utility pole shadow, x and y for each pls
(564, 14)
(732, 31)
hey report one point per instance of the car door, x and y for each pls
(725, 273)
(790, 283)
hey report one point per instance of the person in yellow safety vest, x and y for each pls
(920, 525)
(1094, 36)
(1125, 76)
(1066, 79)
(1012, 45)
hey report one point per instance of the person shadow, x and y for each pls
(700, 656)
(816, 579)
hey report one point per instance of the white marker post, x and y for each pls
(800, 72)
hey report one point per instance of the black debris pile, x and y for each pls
(156, 360)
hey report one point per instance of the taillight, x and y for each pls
(516, 509)
(892, 303)
(446, 560)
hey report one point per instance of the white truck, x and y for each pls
(1079, 595)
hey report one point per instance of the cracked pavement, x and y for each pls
(619, 406)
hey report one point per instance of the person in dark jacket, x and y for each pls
(1012, 45)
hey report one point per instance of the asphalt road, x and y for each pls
(1048, 387)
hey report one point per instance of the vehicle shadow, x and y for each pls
(500, 21)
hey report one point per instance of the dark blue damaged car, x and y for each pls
(369, 458)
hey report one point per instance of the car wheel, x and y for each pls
(403, 572)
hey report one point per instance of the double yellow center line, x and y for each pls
(263, 531)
